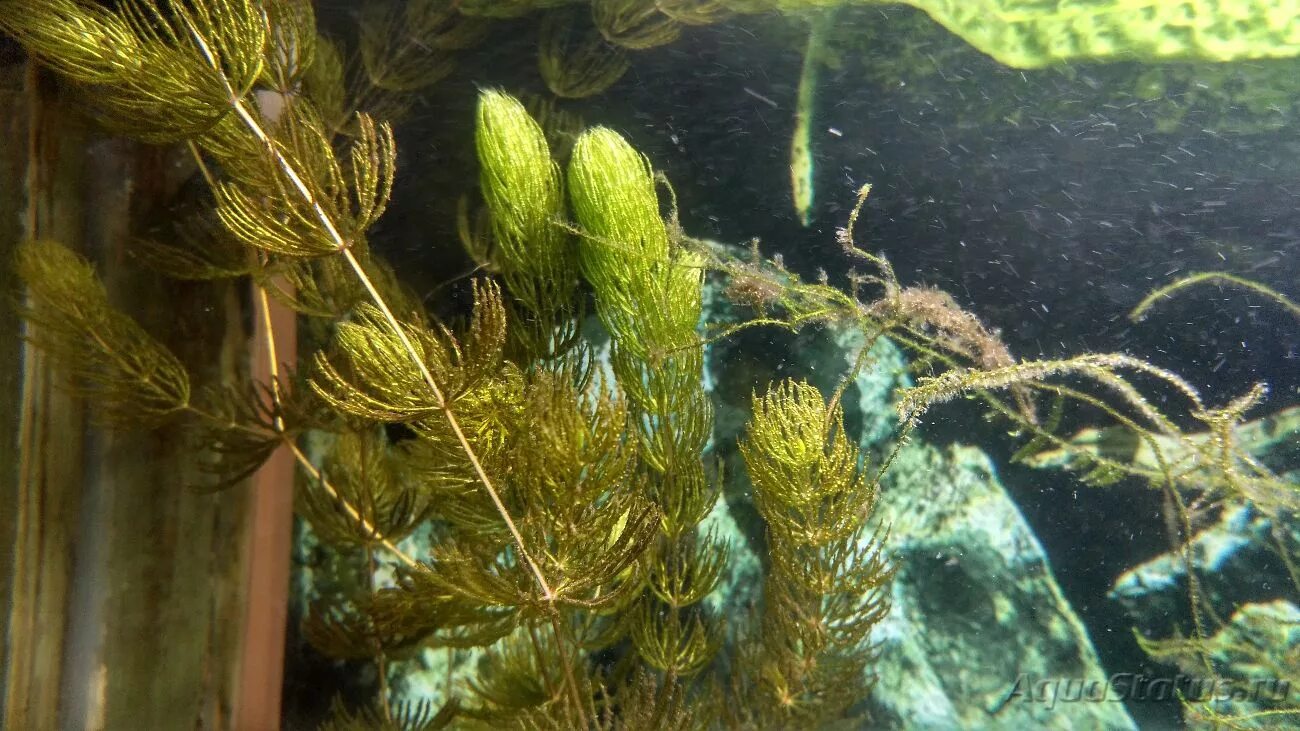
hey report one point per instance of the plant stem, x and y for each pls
(343, 246)
(273, 367)
(568, 669)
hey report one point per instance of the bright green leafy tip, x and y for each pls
(647, 294)
(522, 187)
(612, 189)
(529, 243)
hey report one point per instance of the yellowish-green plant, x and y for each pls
(801, 159)
(564, 508)
(813, 662)
(648, 296)
(706, 12)
(131, 376)
(634, 24)
(417, 715)
(524, 191)
(283, 191)
(405, 47)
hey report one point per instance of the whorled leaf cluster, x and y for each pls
(562, 502)
(828, 576)
(648, 297)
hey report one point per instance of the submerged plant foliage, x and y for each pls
(811, 490)
(563, 500)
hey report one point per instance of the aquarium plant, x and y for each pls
(562, 487)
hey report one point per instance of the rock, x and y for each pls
(977, 619)
(1235, 559)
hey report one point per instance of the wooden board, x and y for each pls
(126, 592)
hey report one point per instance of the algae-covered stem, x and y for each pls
(801, 159)
(1221, 279)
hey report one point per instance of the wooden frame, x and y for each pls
(130, 599)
